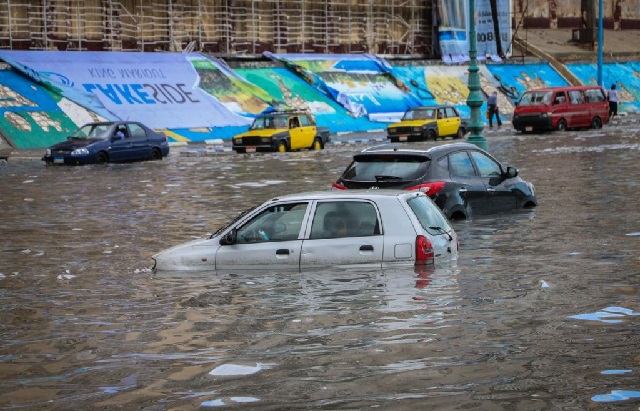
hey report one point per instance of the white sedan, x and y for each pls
(328, 228)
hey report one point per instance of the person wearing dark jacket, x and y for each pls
(492, 102)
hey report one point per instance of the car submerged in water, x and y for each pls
(109, 142)
(462, 179)
(319, 229)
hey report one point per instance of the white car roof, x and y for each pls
(347, 194)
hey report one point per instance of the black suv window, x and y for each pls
(486, 166)
(375, 167)
(461, 164)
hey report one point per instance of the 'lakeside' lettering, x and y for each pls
(144, 93)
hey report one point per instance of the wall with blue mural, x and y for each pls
(345, 93)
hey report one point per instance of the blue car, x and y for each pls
(109, 142)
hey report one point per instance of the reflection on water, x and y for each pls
(539, 312)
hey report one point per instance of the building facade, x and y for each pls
(386, 27)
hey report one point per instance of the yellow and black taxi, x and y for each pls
(282, 131)
(428, 123)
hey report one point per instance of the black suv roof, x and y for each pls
(436, 151)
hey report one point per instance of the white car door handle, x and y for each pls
(463, 190)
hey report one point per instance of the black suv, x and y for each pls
(461, 178)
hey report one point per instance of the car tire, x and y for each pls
(102, 158)
(156, 154)
(317, 144)
(562, 125)
(282, 146)
(596, 123)
(431, 135)
(461, 132)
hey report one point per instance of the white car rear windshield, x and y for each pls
(429, 215)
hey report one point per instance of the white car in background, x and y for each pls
(329, 228)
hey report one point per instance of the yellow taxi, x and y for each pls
(428, 123)
(282, 131)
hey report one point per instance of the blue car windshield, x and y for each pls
(92, 131)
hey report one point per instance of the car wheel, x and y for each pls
(156, 154)
(460, 133)
(562, 125)
(282, 147)
(317, 144)
(596, 123)
(431, 135)
(102, 158)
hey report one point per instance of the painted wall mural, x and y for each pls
(38, 108)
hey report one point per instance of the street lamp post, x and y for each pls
(600, 44)
(475, 100)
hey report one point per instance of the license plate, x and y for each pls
(58, 159)
(251, 149)
(528, 128)
(402, 138)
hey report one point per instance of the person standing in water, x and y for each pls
(612, 96)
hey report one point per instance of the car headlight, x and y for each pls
(48, 152)
(266, 139)
(237, 141)
(417, 129)
(80, 152)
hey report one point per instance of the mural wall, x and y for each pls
(39, 107)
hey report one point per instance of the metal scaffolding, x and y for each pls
(402, 27)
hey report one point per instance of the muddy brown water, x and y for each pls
(540, 312)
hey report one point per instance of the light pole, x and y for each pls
(600, 41)
(475, 100)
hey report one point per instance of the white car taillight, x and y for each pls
(424, 251)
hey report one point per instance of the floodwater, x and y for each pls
(540, 312)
